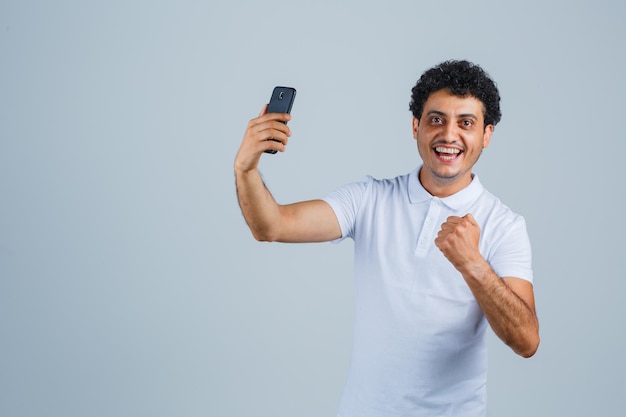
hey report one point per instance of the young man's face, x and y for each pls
(450, 137)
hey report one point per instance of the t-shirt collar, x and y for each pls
(418, 194)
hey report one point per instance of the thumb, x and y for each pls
(264, 110)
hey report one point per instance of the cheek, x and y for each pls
(422, 147)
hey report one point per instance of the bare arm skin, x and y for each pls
(307, 221)
(508, 303)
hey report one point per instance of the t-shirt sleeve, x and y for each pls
(345, 202)
(513, 255)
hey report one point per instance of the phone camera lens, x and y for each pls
(281, 95)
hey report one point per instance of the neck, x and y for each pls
(443, 187)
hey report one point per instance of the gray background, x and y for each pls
(129, 283)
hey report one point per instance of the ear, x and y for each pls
(416, 125)
(487, 136)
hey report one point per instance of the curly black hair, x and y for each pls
(462, 78)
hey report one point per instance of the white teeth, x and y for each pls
(441, 149)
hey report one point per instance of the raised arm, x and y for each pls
(307, 221)
(508, 303)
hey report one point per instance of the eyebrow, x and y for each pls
(460, 116)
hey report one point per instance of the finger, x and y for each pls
(276, 130)
(278, 139)
(453, 219)
(264, 129)
(281, 117)
(275, 145)
(450, 222)
(265, 117)
(470, 219)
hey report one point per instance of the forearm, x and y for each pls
(305, 221)
(257, 204)
(510, 317)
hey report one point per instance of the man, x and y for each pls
(437, 257)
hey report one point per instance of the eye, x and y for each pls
(436, 120)
(467, 123)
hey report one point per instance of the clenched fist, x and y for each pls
(458, 241)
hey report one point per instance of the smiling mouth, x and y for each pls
(447, 154)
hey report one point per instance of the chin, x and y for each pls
(446, 172)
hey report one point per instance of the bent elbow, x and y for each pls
(260, 237)
(264, 235)
(530, 348)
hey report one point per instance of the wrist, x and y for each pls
(243, 168)
(476, 271)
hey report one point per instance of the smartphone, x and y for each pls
(281, 102)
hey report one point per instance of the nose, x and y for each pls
(450, 132)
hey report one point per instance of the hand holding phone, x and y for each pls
(281, 102)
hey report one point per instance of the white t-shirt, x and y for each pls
(419, 347)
